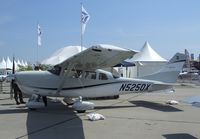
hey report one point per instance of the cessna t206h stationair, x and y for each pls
(81, 75)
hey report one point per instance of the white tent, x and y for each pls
(18, 62)
(3, 64)
(16, 65)
(8, 63)
(26, 64)
(22, 63)
(147, 54)
(147, 61)
(62, 54)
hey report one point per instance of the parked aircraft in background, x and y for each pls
(82, 76)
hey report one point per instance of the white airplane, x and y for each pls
(81, 75)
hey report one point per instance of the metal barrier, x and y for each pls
(5, 87)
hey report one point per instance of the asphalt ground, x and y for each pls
(133, 116)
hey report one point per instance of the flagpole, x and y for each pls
(37, 45)
(37, 55)
(81, 29)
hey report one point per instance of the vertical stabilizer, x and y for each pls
(170, 71)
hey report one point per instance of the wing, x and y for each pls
(97, 57)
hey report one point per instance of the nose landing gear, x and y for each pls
(35, 103)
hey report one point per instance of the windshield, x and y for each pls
(55, 70)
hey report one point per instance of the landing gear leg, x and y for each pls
(44, 98)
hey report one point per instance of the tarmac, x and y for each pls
(139, 116)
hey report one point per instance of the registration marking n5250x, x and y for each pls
(134, 87)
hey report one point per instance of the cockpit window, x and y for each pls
(103, 76)
(90, 75)
(55, 70)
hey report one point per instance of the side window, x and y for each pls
(76, 73)
(90, 75)
(103, 76)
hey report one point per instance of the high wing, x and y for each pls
(97, 57)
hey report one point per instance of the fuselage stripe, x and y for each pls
(79, 87)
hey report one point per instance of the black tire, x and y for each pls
(81, 111)
(116, 97)
(32, 109)
(69, 104)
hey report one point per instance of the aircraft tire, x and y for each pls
(69, 104)
(81, 111)
(32, 109)
(116, 97)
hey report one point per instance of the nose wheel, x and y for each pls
(35, 103)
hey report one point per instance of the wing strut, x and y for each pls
(63, 75)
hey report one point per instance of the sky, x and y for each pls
(169, 26)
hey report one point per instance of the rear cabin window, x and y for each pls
(90, 75)
(103, 76)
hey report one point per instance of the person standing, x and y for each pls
(17, 93)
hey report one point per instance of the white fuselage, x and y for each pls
(86, 84)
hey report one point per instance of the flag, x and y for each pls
(84, 19)
(39, 33)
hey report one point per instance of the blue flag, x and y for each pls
(39, 33)
(84, 19)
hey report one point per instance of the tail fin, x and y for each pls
(170, 71)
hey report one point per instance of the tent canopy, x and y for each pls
(147, 54)
(8, 64)
(62, 54)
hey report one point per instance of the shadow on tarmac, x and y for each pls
(179, 136)
(54, 121)
(155, 106)
(112, 107)
(146, 104)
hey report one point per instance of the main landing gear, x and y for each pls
(78, 104)
(81, 106)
